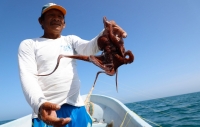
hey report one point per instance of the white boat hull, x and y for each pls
(109, 110)
(104, 110)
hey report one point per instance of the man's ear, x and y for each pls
(39, 20)
(64, 25)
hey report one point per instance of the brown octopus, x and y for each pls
(113, 52)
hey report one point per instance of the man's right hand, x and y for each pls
(117, 30)
(47, 113)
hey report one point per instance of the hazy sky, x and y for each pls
(163, 35)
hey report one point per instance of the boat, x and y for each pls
(105, 112)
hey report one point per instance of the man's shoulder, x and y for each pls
(30, 40)
(71, 38)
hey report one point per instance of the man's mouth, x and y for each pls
(55, 23)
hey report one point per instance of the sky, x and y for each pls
(163, 35)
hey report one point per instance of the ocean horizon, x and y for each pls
(174, 111)
(5, 121)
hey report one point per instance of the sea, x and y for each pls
(174, 111)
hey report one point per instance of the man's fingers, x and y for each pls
(49, 116)
(50, 106)
(118, 30)
(57, 121)
(61, 122)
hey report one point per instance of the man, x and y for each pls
(55, 99)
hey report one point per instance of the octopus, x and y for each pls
(113, 53)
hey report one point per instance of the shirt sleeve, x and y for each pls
(85, 47)
(28, 71)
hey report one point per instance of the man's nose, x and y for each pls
(56, 18)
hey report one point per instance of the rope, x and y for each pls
(123, 120)
(128, 121)
(167, 114)
(90, 92)
(147, 120)
(151, 122)
(138, 116)
(88, 96)
(144, 107)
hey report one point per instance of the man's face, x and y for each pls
(53, 21)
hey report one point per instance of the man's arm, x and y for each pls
(91, 47)
(85, 47)
(32, 91)
(29, 81)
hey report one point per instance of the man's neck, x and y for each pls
(51, 36)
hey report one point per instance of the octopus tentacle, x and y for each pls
(130, 58)
(80, 57)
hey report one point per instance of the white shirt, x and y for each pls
(39, 56)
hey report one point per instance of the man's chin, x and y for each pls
(54, 29)
(57, 29)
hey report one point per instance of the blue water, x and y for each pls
(176, 111)
(5, 121)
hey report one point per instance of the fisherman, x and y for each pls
(54, 99)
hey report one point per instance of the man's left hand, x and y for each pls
(47, 113)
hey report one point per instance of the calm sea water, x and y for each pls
(176, 111)
(5, 121)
